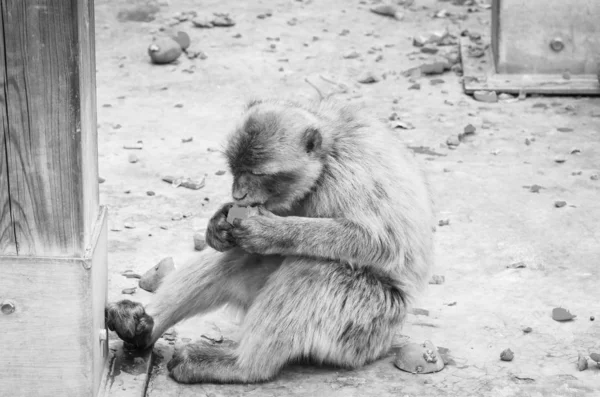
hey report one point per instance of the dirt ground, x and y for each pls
(482, 187)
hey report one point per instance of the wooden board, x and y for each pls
(7, 234)
(48, 127)
(523, 30)
(52, 344)
(480, 74)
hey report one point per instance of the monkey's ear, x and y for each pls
(312, 140)
(253, 102)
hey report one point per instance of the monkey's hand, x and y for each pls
(130, 321)
(218, 233)
(256, 233)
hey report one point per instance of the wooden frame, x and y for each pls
(53, 238)
(520, 58)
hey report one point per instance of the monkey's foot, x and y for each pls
(204, 362)
(130, 321)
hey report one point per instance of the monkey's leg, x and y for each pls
(209, 281)
(308, 309)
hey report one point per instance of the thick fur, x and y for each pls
(342, 244)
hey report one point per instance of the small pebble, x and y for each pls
(101, 180)
(592, 318)
(444, 222)
(594, 177)
(150, 193)
(582, 363)
(128, 225)
(527, 330)
(437, 279)
(452, 141)
(199, 241)
(560, 203)
(351, 55)
(560, 159)
(486, 96)
(132, 158)
(368, 78)
(129, 291)
(507, 355)
(187, 140)
(220, 172)
(415, 86)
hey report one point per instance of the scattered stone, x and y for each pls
(368, 78)
(437, 279)
(202, 22)
(535, 188)
(507, 355)
(452, 141)
(592, 318)
(594, 177)
(560, 203)
(467, 131)
(132, 158)
(179, 105)
(486, 96)
(183, 39)
(199, 241)
(582, 363)
(177, 217)
(450, 304)
(403, 125)
(128, 225)
(507, 98)
(130, 274)
(237, 36)
(351, 55)
(222, 20)
(387, 10)
(436, 81)
(220, 172)
(428, 49)
(129, 291)
(154, 276)
(560, 314)
(575, 150)
(420, 312)
(419, 358)
(420, 41)
(164, 50)
(237, 212)
(150, 193)
(595, 357)
(527, 330)
(434, 67)
(415, 86)
(101, 180)
(189, 183)
(517, 265)
(444, 222)
(575, 173)
(564, 129)
(187, 140)
(560, 159)
(116, 227)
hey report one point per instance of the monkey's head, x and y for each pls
(275, 155)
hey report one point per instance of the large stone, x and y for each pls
(154, 276)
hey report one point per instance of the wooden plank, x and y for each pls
(526, 28)
(50, 140)
(51, 344)
(8, 244)
(480, 74)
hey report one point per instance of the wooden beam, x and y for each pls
(48, 124)
(479, 74)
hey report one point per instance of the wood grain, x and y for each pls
(50, 140)
(526, 27)
(50, 346)
(7, 234)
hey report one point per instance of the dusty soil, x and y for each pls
(481, 186)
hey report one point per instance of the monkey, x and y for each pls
(325, 271)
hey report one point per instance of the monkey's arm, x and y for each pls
(334, 239)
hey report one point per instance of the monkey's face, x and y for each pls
(275, 156)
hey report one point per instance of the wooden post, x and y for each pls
(52, 230)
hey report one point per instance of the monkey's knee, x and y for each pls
(130, 321)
